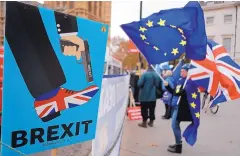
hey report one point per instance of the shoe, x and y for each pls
(175, 148)
(49, 106)
(150, 123)
(172, 146)
(143, 124)
(50, 116)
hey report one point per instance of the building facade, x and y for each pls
(95, 10)
(222, 19)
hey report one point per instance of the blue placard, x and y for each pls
(50, 95)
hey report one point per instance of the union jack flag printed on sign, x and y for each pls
(64, 99)
(218, 74)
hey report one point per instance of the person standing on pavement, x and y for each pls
(167, 96)
(180, 111)
(147, 96)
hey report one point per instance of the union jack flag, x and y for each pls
(64, 99)
(218, 74)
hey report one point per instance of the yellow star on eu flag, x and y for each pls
(165, 54)
(161, 22)
(175, 51)
(147, 43)
(142, 29)
(149, 23)
(184, 37)
(173, 26)
(143, 37)
(197, 115)
(156, 48)
(193, 105)
(183, 43)
(180, 30)
(194, 95)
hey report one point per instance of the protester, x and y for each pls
(167, 96)
(147, 96)
(132, 81)
(180, 111)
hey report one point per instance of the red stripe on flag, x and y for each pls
(44, 111)
(210, 65)
(81, 98)
(218, 51)
(199, 75)
(233, 70)
(230, 86)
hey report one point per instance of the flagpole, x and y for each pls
(157, 73)
(140, 59)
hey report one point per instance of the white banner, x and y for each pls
(112, 109)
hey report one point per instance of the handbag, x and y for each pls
(159, 92)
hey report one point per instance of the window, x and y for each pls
(90, 6)
(64, 4)
(227, 43)
(100, 9)
(210, 20)
(58, 3)
(227, 18)
(71, 4)
(95, 8)
(218, 2)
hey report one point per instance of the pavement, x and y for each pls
(82, 149)
(218, 135)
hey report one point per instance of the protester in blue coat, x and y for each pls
(180, 109)
(147, 96)
(167, 96)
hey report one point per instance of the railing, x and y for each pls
(210, 3)
(218, 2)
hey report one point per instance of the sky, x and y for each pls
(128, 11)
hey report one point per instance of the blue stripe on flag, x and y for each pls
(71, 105)
(91, 93)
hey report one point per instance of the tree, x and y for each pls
(118, 48)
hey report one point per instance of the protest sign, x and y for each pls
(53, 66)
(112, 110)
(134, 113)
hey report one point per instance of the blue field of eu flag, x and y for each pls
(193, 96)
(177, 70)
(166, 35)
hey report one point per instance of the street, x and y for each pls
(218, 135)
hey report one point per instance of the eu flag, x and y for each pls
(166, 35)
(193, 95)
(177, 71)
